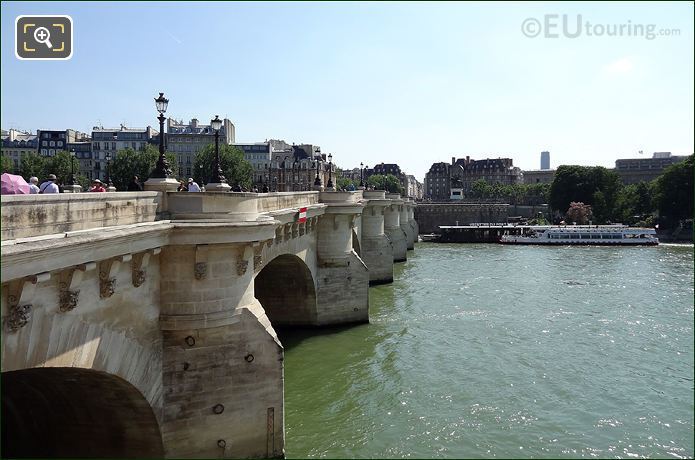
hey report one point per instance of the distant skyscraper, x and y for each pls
(545, 160)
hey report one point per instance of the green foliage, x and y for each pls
(32, 165)
(481, 189)
(674, 192)
(234, 166)
(389, 182)
(7, 165)
(128, 163)
(41, 166)
(345, 183)
(593, 185)
(512, 193)
(634, 202)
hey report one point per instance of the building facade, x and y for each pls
(465, 172)
(438, 182)
(16, 144)
(539, 176)
(52, 142)
(83, 158)
(184, 140)
(545, 160)
(106, 142)
(633, 170)
(413, 188)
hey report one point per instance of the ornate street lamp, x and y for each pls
(108, 170)
(72, 167)
(361, 174)
(317, 181)
(217, 179)
(330, 172)
(295, 179)
(161, 170)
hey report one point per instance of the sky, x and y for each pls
(407, 83)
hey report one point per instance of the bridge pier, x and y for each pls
(377, 250)
(339, 268)
(405, 225)
(411, 220)
(393, 230)
(222, 370)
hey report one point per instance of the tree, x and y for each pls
(31, 165)
(579, 213)
(128, 163)
(634, 201)
(345, 183)
(481, 189)
(234, 166)
(389, 182)
(7, 165)
(674, 192)
(59, 164)
(581, 184)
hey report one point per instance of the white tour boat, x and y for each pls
(584, 234)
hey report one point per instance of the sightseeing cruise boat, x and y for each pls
(621, 235)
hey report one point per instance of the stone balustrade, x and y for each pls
(26, 216)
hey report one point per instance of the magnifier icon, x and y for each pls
(42, 35)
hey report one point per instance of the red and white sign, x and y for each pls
(302, 215)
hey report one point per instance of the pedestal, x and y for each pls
(168, 184)
(217, 187)
(72, 188)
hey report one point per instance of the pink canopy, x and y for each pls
(14, 185)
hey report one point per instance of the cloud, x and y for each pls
(620, 67)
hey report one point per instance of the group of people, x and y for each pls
(50, 185)
(193, 186)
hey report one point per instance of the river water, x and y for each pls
(505, 351)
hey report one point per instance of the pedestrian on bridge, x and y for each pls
(192, 185)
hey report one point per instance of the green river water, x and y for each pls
(505, 351)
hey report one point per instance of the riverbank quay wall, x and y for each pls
(157, 310)
(430, 216)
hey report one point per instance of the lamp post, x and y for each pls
(295, 179)
(109, 184)
(361, 174)
(317, 181)
(330, 172)
(72, 186)
(218, 183)
(72, 167)
(161, 177)
(161, 171)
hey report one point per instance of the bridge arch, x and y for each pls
(285, 287)
(75, 412)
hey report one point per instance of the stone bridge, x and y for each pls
(142, 324)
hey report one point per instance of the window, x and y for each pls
(134, 145)
(51, 151)
(44, 143)
(59, 144)
(113, 146)
(52, 144)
